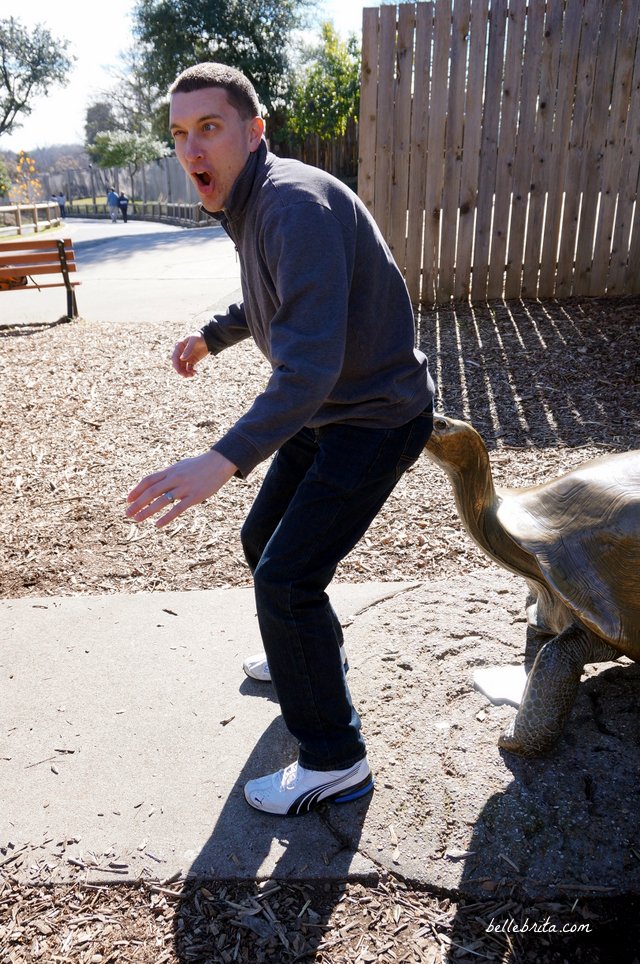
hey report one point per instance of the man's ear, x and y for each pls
(256, 132)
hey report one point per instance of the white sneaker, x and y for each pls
(294, 790)
(257, 667)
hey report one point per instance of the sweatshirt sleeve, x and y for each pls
(306, 255)
(225, 330)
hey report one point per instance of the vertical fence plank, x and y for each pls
(453, 148)
(595, 147)
(506, 148)
(542, 163)
(471, 148)
(489, 148)
(559, 147)
(618, 282)
(368, 108)
(585, 72)
(384, 118)
(402, 134)
(632, 274)
(435, 158)
(419, 141)
(614, 148)
(523, 159)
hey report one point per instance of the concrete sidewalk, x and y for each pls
(128, 730)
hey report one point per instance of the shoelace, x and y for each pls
(289, 776)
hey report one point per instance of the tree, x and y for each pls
(252, 35)
(124, 149)
(136, 102)
(30, 62)
(5, 179)
(326, 91)
(27, 186)
(99, 117)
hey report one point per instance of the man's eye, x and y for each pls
(208, 127)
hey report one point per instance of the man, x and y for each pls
(123, 204)
(112, 204)
(347, 409)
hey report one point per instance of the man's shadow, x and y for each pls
(246, 847)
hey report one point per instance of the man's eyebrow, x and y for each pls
(200, 120)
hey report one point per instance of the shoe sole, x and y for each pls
(312, 799)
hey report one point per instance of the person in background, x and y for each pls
(62, 204)
(123, 203)
(112, 204)
(348, 408)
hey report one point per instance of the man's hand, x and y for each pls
(179, 487)
(187, 353)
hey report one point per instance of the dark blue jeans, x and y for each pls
(321, 493)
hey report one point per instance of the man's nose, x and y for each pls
(193, 148)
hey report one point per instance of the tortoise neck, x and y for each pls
(478, 501)
(475, 495)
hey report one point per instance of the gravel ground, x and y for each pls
(88, 409)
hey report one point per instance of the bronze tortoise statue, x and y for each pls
(576, 541)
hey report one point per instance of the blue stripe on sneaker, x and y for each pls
(355, 792)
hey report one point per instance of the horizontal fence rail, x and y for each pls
(499, 145)
(179, 212)
(21, 218)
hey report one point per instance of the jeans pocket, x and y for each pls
(418, 436)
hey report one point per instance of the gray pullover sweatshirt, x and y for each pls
(325, 303)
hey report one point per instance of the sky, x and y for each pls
(97, 35)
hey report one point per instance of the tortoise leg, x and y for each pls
(551, 690)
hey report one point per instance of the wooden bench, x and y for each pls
(21, 262)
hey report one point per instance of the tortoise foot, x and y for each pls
(549, 694)
(527, 745)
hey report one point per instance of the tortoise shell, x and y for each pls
(584, 530)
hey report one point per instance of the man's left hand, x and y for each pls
(179, 487)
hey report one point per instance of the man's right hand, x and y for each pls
(187, 353)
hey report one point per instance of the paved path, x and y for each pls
(128, 730)
(140, 271)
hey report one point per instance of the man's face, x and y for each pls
(212, 142)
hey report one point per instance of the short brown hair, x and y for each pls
(240, 91)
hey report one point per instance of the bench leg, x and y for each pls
(72, 307)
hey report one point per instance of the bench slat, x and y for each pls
(24, 260)
(50, 284)
(35, 244)
(11, 270)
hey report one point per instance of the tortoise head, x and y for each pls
(458, 449)
(456, 446)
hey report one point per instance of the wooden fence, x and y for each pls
(27, 218)
(499, 145)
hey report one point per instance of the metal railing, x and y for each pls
(181, 213)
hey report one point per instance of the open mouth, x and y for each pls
(204, 177)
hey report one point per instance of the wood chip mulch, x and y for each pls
(258, 923)
(88, 409)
